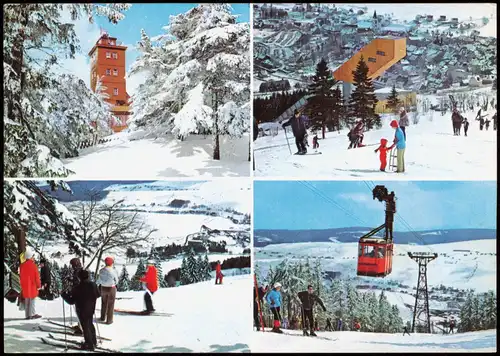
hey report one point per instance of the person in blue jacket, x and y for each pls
(274, 300)
(400, 142)
(298, 123)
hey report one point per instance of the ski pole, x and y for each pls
(287, 141)
(64, 323)
(97, 326)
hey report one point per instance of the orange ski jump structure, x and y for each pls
(380, 54)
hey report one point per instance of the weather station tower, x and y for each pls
(107, 64)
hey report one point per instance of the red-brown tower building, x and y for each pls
(107, 62)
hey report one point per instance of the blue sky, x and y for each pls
(424, 205)
(150, 17)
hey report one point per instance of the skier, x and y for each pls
(328, 326)
(298, 123)
(107, 281)
(84, 296)
(150, 283)
(258, 296)
(218, 273)
(357, 326)
(405, 331)
(30, 284)
(339, 324)
(308, 299)
(315, 142)
(452, 325)
(481, 122)
(76, 266)
(399, 141)
(494, 121)
(383, 153)
(487, 124)
(274, 300)
(404, 122)
(356, 135)
(457, 120)
(45, 292)
(466, 126)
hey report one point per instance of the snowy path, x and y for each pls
(205, 318)
(432, 153)
(350, 341)
(161, 158)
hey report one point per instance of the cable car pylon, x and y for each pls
(422, 294)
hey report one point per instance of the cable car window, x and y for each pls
(369, 251)
(380, 252)
(360, 253)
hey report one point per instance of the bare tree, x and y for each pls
(106, 227)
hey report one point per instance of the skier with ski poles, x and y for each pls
(84, 296)
(356, 136)
(76, 267)
(405, 331)
(45, 277)
(107, 282)
(298, 124)
(308, 299)
(150, 284)
(258, 296)
(274, 300)
(29, 279)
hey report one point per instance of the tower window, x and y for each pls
(115, 55)
(115, 72)
(371, 59)
(108, 71)
(115, 91)
(108, 54)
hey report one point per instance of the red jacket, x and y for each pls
(383, 148)
(218, 269)
(30, 279)
(151, 279)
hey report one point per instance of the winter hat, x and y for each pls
(383, 141)
(108, 261)
(296, 112)
(151, 262)
(84, 275)
(28, 254)
(277, 285)
(394, 124)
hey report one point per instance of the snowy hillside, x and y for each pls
(462, 265)
(431, 151)
(192, 310)
(130, 158)
(350, 341)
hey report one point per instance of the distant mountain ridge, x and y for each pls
(264, 237)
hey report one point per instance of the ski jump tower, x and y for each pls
(380, 54)
(422, 294)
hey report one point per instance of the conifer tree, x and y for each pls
(206, 268)
(56, 280)
(184, 277)
(66, 277)
(123, 281)
(363, 99)
(135, 283)
(393, 101)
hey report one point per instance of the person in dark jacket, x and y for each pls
(258, 296)
(481, 122)
(308, 299)
(405, 331)
(298, 123)
(466, 126)
(45, 280)
(356, 135)
(84, 296)
(487, 124)
(76, 267)
(329, 326)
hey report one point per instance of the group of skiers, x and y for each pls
(458, 120)
(80, 291)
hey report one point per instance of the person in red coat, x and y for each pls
(218, 273)
(30, 284)
(383, 153)
(150, 282)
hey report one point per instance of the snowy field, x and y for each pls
(130, 158)
(350, 341)
(431, 152)
(201, 319)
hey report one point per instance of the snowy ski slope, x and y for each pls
(351, 341)
(431, 152)
(202, 319)
(131, 158)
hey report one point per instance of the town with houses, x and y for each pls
(441, 52)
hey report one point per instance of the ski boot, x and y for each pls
(277, 331)
(305, 333)
(77, 330)
(312, 333)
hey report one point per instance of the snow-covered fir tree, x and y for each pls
(123, 281)
(393, 101)
(35, 38)
(135, 283)
(66, 277)
(190, 270)
(56, 283)
(198, 76)
(363, 99)
(206, 268)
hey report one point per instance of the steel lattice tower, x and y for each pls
(422, 295)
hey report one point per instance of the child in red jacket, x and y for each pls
(383, 153)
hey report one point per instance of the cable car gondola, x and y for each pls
(375, 253)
